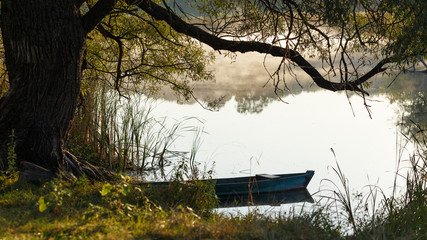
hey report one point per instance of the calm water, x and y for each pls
(254, 132)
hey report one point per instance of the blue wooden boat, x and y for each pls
(270, 198)
(262, 183)
(258, 184)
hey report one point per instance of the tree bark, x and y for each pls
(43, 42)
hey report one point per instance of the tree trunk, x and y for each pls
(43, 42)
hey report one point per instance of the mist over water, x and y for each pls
(256, 132)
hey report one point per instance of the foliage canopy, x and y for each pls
(137, 49)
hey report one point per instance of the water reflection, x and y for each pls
(274, 137)
(272, 199)
(246, 80)
(410, 93)
(250, 103)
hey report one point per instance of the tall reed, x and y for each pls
(377, 215)
(123, 134)
(405, 216)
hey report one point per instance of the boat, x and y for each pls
(270, 198)
(261, 189)
(262, 183)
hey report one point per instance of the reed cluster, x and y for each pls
(121, 133)
(376, 214)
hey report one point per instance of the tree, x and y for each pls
(50, 44)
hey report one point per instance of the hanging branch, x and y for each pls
(119, 42)
(161, 14)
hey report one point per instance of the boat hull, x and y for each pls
(270, 198)
(256, 186)
(262, 184)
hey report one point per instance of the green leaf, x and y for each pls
(42, 204)
(106, 189)
(126, 188)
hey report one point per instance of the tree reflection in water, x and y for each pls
(247, 81)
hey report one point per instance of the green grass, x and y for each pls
(98, 210)
(84, 210)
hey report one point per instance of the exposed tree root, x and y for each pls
(79, 168)
(72, 168)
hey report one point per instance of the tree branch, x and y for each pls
(101, 9)
(119, 42)
(78, 3)
(377, 69)
(161, 14)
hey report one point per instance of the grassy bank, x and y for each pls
(84, 210)
(81, 209)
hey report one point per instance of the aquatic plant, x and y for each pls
(123, 134)
(375, 214)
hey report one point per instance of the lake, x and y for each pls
(254, 131)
